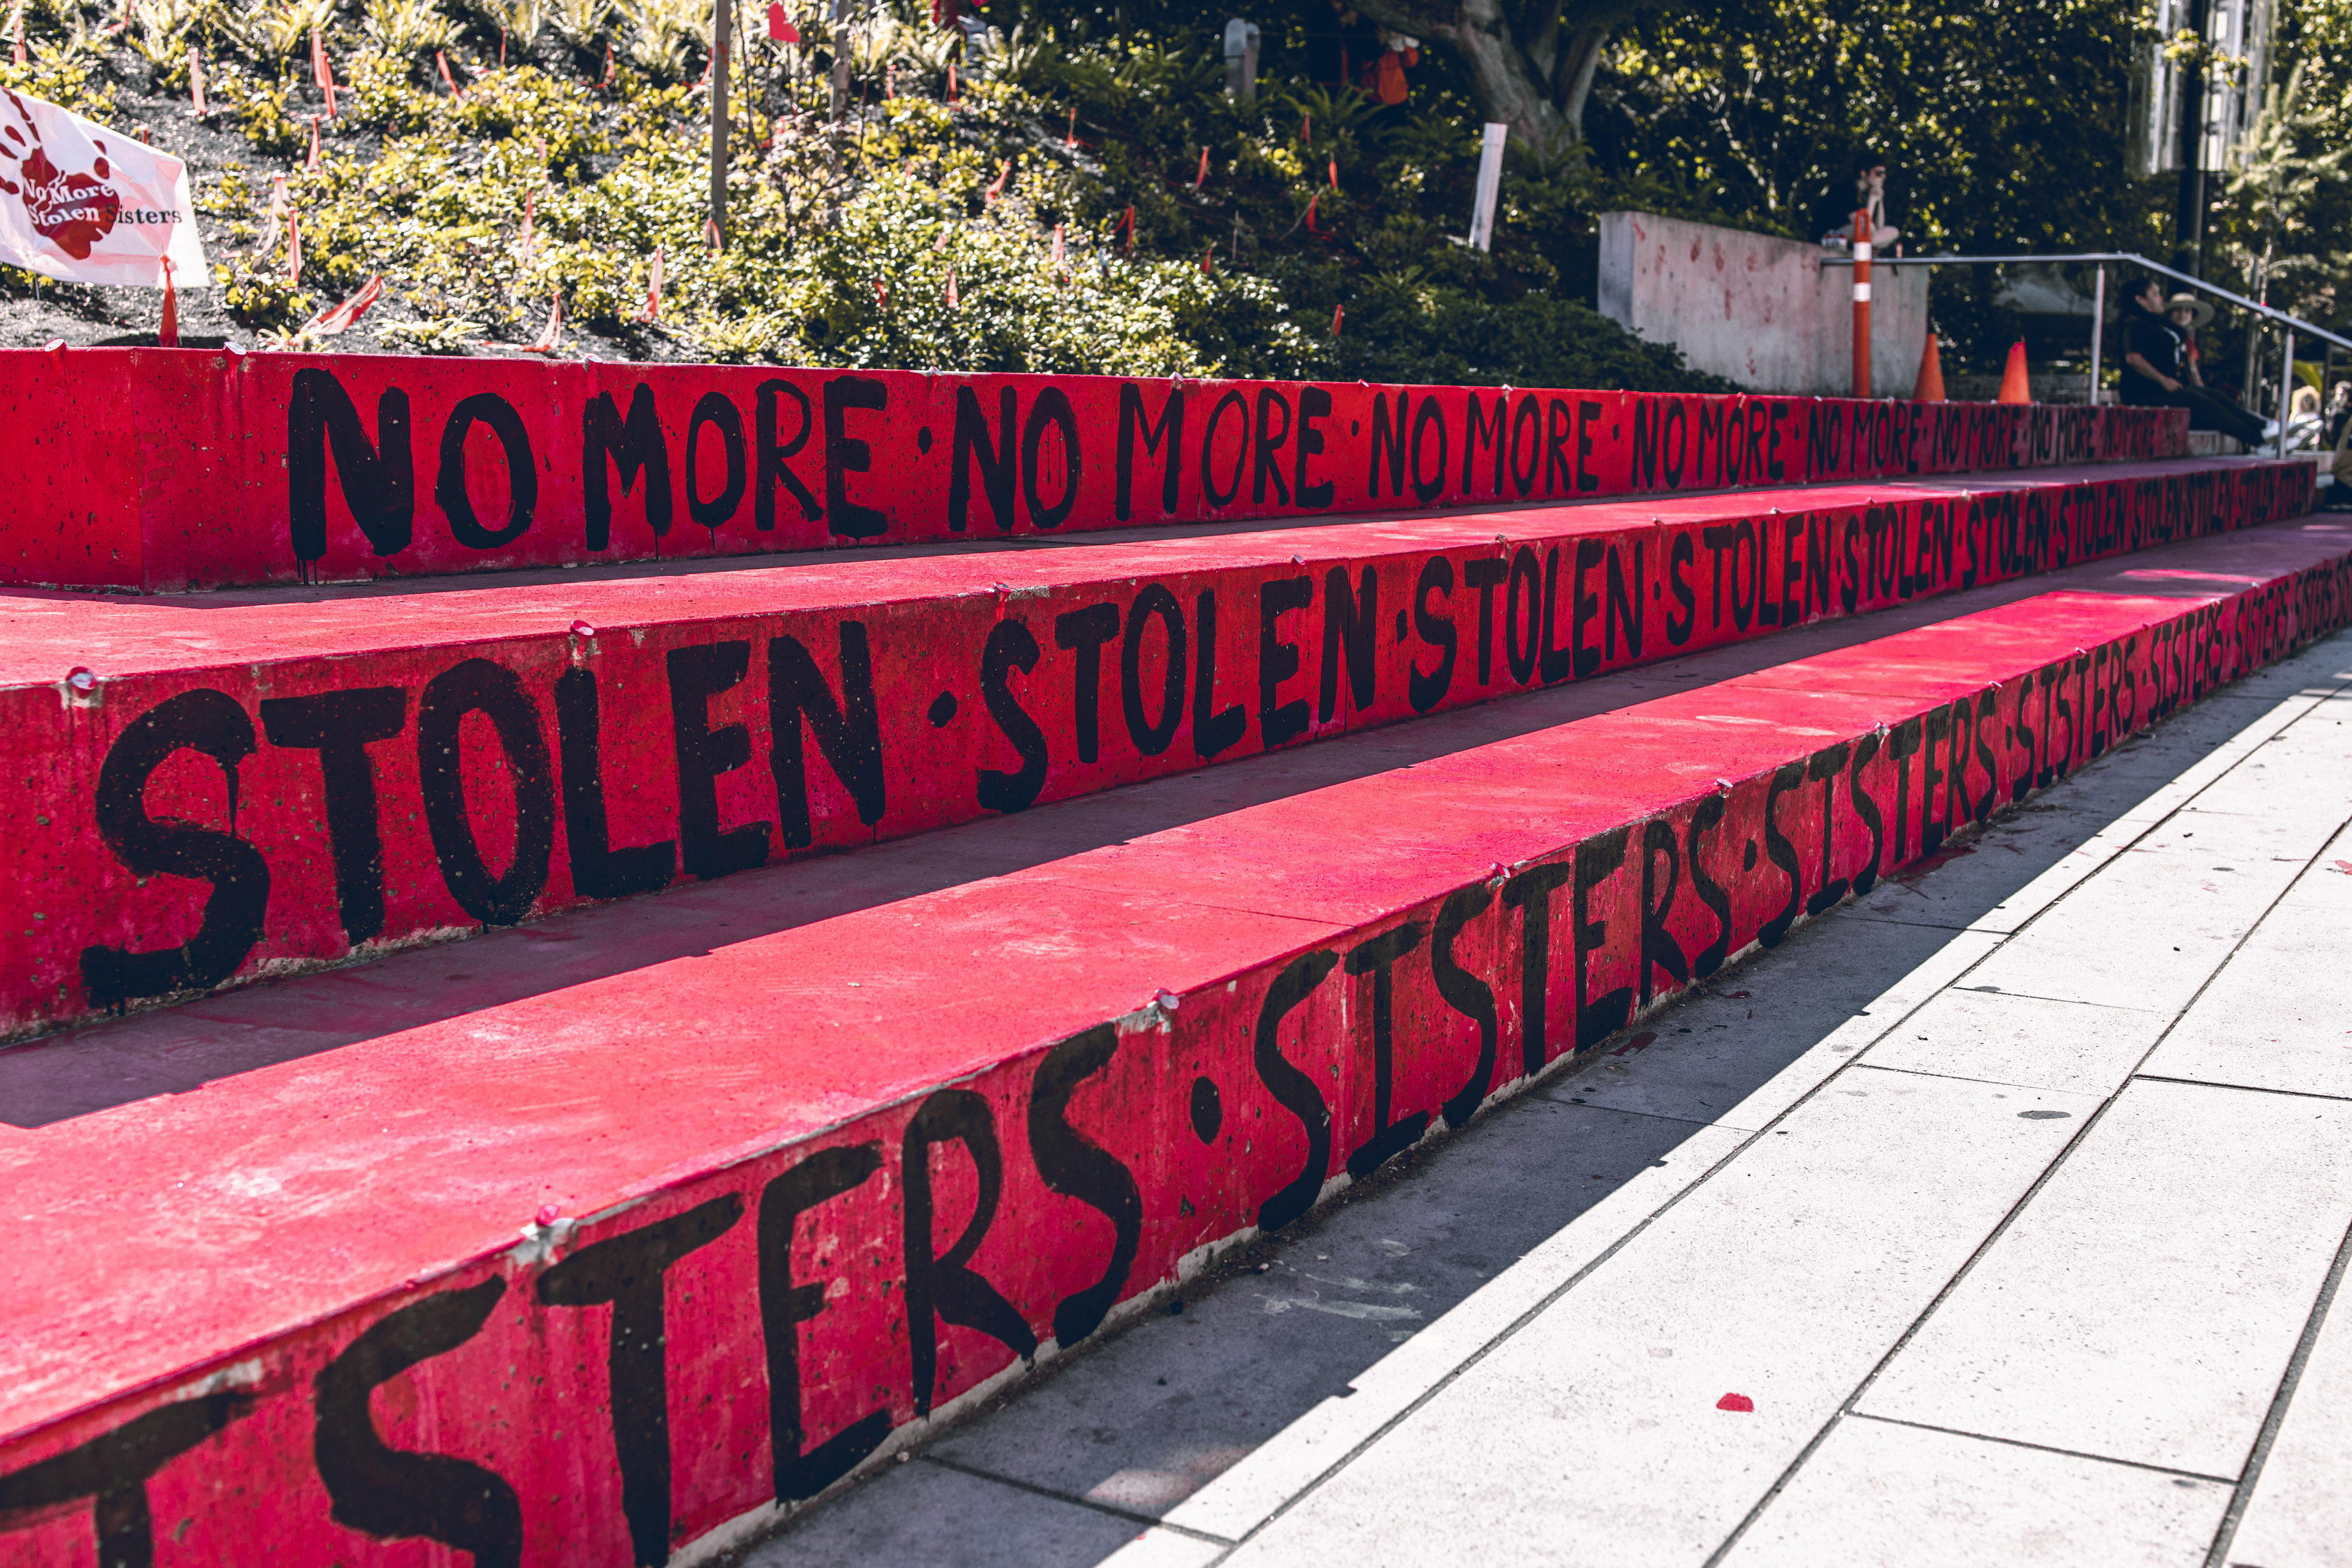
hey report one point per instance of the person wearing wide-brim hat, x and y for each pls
(2199, 311)
(2160, 363)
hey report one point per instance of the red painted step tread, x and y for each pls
(46, 632)
(432, 1104)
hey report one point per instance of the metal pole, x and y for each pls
(2098, 325)
(718, 52)
(2287, 388)
(1862, 234)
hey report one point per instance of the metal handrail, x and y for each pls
(2295, 323)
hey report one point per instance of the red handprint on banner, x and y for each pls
(72, 212)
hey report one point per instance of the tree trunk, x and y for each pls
(1530, 64)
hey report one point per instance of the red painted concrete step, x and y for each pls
(237, 785)
(169, 469)
(580, 1242)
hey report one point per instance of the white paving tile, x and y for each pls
(1879, 1493)
(2300, 1512)
(2068, 1046)
(1594, 1435)
(2143, 1307)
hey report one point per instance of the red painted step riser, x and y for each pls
(785, 1308)
(699, 696)
(213, 487)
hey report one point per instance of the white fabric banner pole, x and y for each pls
(1490, 185)
(82, 203)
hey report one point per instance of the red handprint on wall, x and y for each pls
(72, 212)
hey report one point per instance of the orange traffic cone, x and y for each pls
(1929, 387)
(2014, 387)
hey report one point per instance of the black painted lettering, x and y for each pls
(716, 411)
(478, 686)
(1352, 628)
(1076, 1166)
(522, 474)
(773, 465)
(1597, 860)
(1212, 731)
(1294, 1090)
(1011, 647)
(1278, 722)
(1466, 995)
(598, 870)
(1389, 1138)
(202, 720)
(634, 449)
(1051, 410)
(695, 676)
(848, 733)
(785, 1303)
(392, 1493)
(975, 443)
(1427, 691)
(1084, 632)
(1167, 428)
(627, 1273)
(339, 726)
(1154, 604)
(944, 1285)
(378, 478)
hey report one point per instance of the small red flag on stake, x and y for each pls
(881, 295)
(1310, 211)
(1335, 174)
(951, 84)
(502, 49)
(278, 211)
(1130, 224)
(1073, 139)
(608, 66)
(711, 235)
(546, 340)
(336, 320)
(293, 248)
(1304, 133)
(1339, 314)
(310, 163)
(19, 25)
(954, 302)
(997, 188)
(1203, 177)
(889, 80)
(447, 80)
(780, 26)
(196, 80)
(322, 73)
(530, 203)
(167, 333)
(1207, 256)
(1059, 253)
(652, 311)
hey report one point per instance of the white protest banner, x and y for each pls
(87, 205)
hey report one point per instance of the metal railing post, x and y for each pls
(2098, 325)
(2287, 388)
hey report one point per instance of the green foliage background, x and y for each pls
(1318, 243)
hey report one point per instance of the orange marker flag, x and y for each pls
(546, 340)
(1207, 257)
(321, 71)
(954, 302)
(652, 311)
(997, 189)
(20, 35)
(1131, 231)
(167, 334)
(195, 80)
(1203, 177)
(336, 320)
(310, 163)
(1335, 174)
(443, 61)
(1339, 314)
(530, 204)
(1059, 253)
(293, 248)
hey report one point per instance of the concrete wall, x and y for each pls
(1757, 309)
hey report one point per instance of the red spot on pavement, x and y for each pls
(1735, 995)
(1735, 1402)
(1639, 1042)
(2343, 866)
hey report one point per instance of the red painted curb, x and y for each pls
(277, 468)
(851, 1138)
(246, 784)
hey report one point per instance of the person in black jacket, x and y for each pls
(2157, 368)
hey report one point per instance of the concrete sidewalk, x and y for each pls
(1997, 1219)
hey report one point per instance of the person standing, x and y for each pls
(2160, 368)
